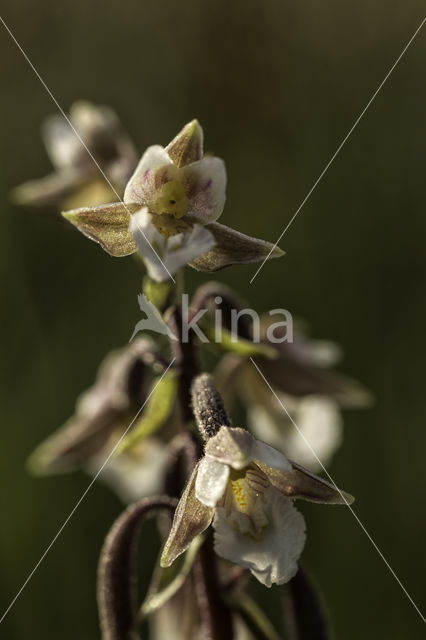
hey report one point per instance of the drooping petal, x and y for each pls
(272, 557)
(150, 243)
(211, 481)
(319, 423)
(50, 190)
(164, 257)
(142, 185)
(107, 224)
(186, 247)
(101, 412)
(233, 247)
(206, 186)
(61, 142)
(292, 375)
(237, 448)
(191, 518)
(301, 483)
(262, 452)
(80, 438)
(135, 474)
(187, 146)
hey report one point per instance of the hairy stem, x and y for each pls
(117, 570)
(216, 618)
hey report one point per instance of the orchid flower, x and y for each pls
(169, 213)
(93, 139)
(319, 431)
(246, 488)
(103, 413)
(304, 390)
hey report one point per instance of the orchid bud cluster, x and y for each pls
(157, 429)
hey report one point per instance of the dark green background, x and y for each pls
(276, 85)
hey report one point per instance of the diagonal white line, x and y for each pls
(78, 136)
(341, 494)
(345, 139)
(84, 494)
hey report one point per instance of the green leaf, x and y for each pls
(158, 409)
(108, 225)
(168, 580)
(242, 347)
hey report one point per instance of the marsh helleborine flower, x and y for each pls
(246, 488)
(169, 212)
(303, 382)
(102, 414)
(77, 179)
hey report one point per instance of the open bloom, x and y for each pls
(319, 430)
(169, 212)
(164, 255)
(246, 488)
(77, 179)
(103, 413)
(303, 382)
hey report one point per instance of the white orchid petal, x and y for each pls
(320, 433)
(270, 456)
(141, 184)
(133, 475)
(191, 246)
(272, 558)
(268, 427)
(150, 244)
(62, 145)
(212, 478)
(207, 185)
(319, 423)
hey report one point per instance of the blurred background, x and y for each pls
(276, 86)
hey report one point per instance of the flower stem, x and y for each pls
(305, 615)
(216, 617)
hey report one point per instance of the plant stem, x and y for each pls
(216, 617)
(186, 360)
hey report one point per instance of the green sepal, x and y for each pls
(242, 347)
(233, 247)
(106, 224)
(158, 409)
(187, 146)
(167, 581)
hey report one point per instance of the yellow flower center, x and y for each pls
(240, 494)
(172, 200)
